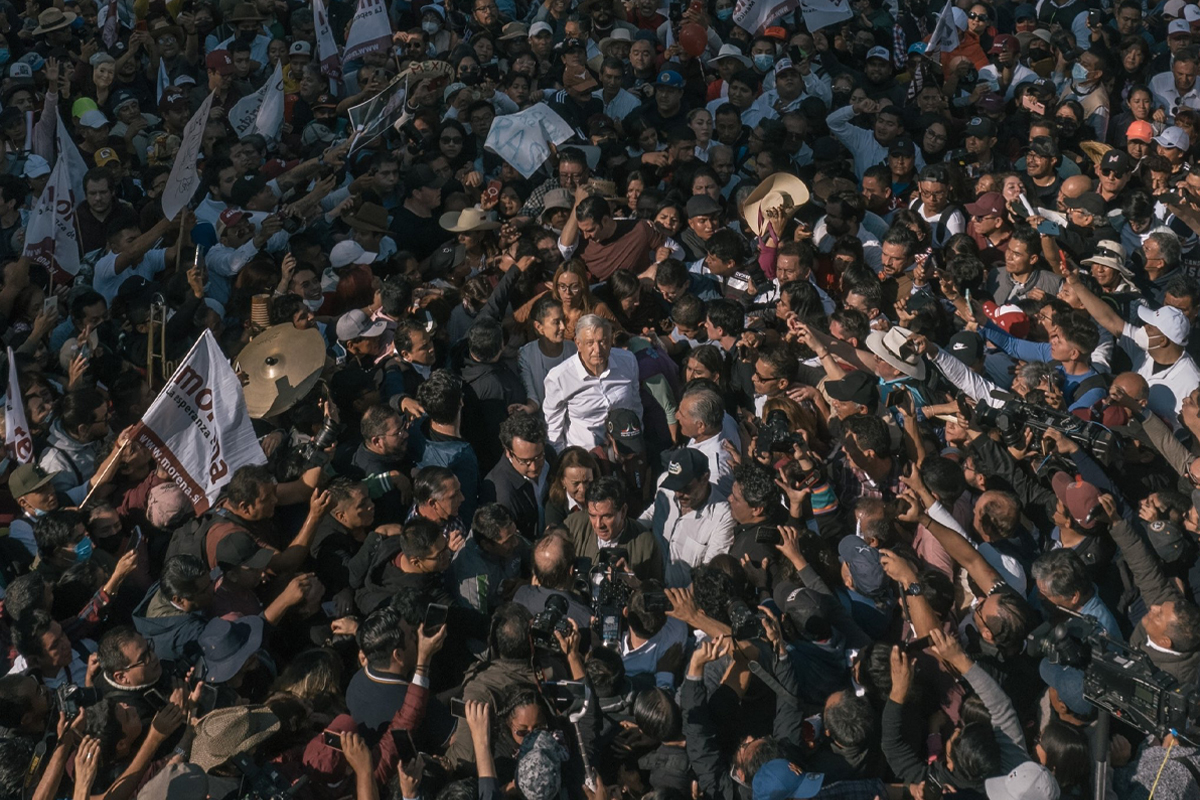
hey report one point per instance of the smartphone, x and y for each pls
(50, 305)
(332, 739)
(1095, 18)
(563, 694)
(141, 25)
(896, 396)
(435, 617)
(208, 699)
(135, 541)
(458, 707)
(1048, 228)
(767, 535)
(493, 189)
(404, 745)
(330, 609)
(917, 645)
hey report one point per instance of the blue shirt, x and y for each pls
(1034, 351)
(1096, 608)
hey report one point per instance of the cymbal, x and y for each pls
(283, 364)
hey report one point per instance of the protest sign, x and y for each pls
(522, 139)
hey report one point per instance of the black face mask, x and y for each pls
(469, 78)
(248, 36)
(1038, 54)
(1067, 128)
(840, 98)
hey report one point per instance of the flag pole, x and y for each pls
(109, 467)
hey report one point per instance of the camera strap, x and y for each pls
(764, 675)
(1189, 766)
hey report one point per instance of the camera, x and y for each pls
(69, 698)
(609, 595)
(324, 438)
(1117, 678)
(775, 435)
(551, 619)
(1016, 415)
(264, 783)
(743, 622)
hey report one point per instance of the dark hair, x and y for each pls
(605, 670)
(342, 489)
(510, 631)
(854, 323)
(543, 306)
(606, 488)
(671, 272)
(78, 408)
(688, 310)
(247, 484)
(56, 529)
(759, 489)
(1182, 286)
(16, 753)
(850, 721)
(1012, 623)
(418, 538)
(405, 329)
(643, 621)
(593, 209)
(1078, 328)
(375, 419)
(485, 340)
(1032, 241)
(182, 576)
(27, 633)
(1185, 630)
(709, 356)
(726, 315)
(728, 245)
(441, 395)
(379, 636)
(657, 715)
(944, 478)
(871, 432)
(84, 299)
(976, 752)
(1067, 754)
(525, 426)
(490, 519)
(24, 593)
(109, 651)
(782, 360)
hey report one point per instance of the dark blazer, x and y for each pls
(504, 484)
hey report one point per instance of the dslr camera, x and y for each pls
(69, 699)
(551, 619)
(775, 435)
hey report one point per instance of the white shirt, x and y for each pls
(720, 466)
(621, 106)
(107, 281)
(1168, 386)
(860, 142)
(1166, 95)
(577, 402)
(690, 539)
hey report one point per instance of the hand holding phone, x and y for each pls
(332, 739)
(435, 617)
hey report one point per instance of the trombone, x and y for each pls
(156, 343)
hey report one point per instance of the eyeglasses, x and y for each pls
(761, 379)
(146, 657)
(528, 462)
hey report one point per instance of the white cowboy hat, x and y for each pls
(780, 190)
(886, 346)
(469, 219)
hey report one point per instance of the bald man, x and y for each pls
(554, 575)
(1073, 187)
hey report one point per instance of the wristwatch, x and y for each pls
(915, 589)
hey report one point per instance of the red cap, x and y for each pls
(989, 204)
(1005, 42)
(1009, 318)
(1140, 130)
(1082, 500)
(230, 217)
(219, 61)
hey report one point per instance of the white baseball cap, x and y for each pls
(1191, 13)
(36, 166)
(1173, 9)
(300, 48)
(1178, 26)
(357, 325)
(1174, 137)
(346, 253)
(539, 28)
(879, 52)
(1028, 781)
(1168, 319)
(93, 119)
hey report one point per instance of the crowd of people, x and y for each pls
(800, 427)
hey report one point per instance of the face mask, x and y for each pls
(724, 13)
(5, 54)
(429, 26)
(313, 305)
(1068, 127)
(83, 550)
(840, 98)
(764, 61)
(248, 36)
(1079, 72)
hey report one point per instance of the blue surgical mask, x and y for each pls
(83, 550)
(764, 61)
(724, 13)
(430, 27)
(5, 55)
(1079, 72)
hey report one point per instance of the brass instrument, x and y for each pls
(156, 344)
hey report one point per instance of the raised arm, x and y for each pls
(1101, 311)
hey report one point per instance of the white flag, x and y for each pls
(823, 13)
(17, 440)
(327, 51)
(262, 111)
(198, 429)
(945, 33)
(108, 20)
(754, 15)
(183, 180)
(51, 238)
(370, 31)
(163, 80)
(521, 138)
(76, 167)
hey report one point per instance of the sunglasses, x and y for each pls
(978, 17)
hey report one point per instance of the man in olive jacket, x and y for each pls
(607, 524)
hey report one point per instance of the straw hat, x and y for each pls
(780, 190)
(225, 732)
(886, 346)
(53, 19)
(469, 219)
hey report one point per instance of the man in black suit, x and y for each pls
(520, 479)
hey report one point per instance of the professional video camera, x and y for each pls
(264, 783)
(1119, 679)
(552, 618)
(744, 622)
(69, 698)
(775, 435)
(1016, 415)
(610, 594)
(324, 438)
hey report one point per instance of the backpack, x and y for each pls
(190, 539)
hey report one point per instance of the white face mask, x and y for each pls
(430, 27)
(313, 305)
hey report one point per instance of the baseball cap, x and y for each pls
(1167, 539)
(902, 146)
(966, 347)
(684, 466)
(1068, 682)
(780, 779)
(20, 72)
(1027, 781)
(1168, 319)
(917, 48)
(570, 44)
(784, 64)
(28, 478)
(1140, 131)
(346, 253)
(325, 101)
(1110, 254)
(1118, 161)
(1081, 499)
(238, 549)
(580, 81)
(122, 97)
(1042, 146)
(1179, 26)
(989, 204)
(981, 126)
(1024, 11)
(220, 62)
(600, 125)
(538, 28)
(230, 217)
(857, 387)
(701, 205)
(300, 48)
(1009, 318)
(1089, 202)
(357, 325)
(35, 166)
(105, 156)
(422, 176)
(1004, 42)
(991, 103)
(1174, 137)
(1173, 8)
(36, 62)
(93, 119)
(671, 78)
(1191, 13)
(863, 562)
(878, 52)
(625, 427)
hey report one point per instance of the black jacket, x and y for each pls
(504, 485)
(488, 391)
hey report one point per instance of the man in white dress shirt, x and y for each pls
(689, 516)
(581, 390)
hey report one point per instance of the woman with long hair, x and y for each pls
(573, 474)
(570, 287)
(548, 350)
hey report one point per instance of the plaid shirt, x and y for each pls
(851, 483)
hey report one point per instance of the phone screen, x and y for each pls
(208, 698)
(435, 617)
(135, 541)
(50, 305)
(458, 707)
(404, 745)
(332, 740)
